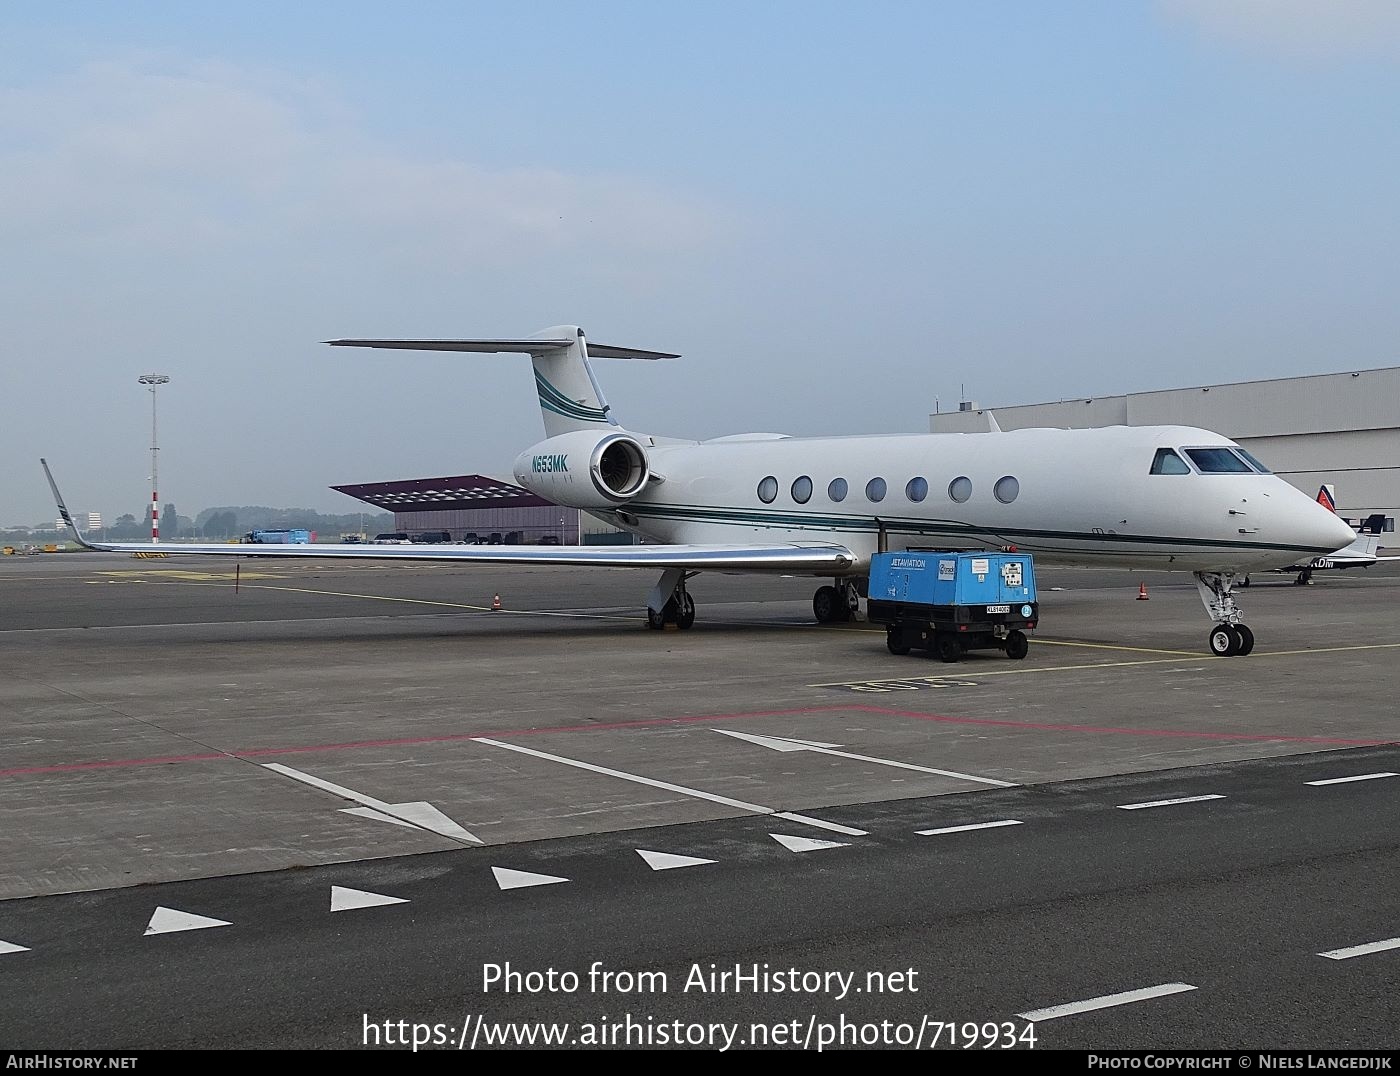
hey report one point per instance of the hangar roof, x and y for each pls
(440, 494)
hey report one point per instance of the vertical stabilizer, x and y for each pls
(570, 398)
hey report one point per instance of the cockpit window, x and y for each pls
(1254, 462)
(1168, 462)
(1217, 461)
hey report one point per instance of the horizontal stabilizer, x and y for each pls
(524, 347)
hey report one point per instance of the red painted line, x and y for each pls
(661, 722)
(1109, 730)
(408, 741)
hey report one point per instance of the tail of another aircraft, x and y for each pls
(569, 396)
(1327, 497)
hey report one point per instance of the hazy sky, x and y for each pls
(836, 212)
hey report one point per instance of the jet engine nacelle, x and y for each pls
(585, 469)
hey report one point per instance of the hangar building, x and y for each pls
(481, 508)
(1342, 429)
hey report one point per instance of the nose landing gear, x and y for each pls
(1230, 637)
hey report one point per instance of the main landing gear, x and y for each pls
(669, 602)
(1230, 637)
(838, 604)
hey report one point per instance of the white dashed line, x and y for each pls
(968, 828)
(1358, 777)
(1108, 1001)
(1167, 803)
(1362, 950)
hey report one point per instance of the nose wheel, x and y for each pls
(1231, 640)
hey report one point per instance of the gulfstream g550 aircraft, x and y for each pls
(1163, 497)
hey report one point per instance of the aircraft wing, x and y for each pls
(817, 557)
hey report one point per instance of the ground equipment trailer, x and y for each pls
(950, 603)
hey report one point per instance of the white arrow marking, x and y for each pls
(777, 743)
(780, 743)
(755, 808)
(805, 844)
(510, 879)
(968, 828)
(378, 816)
(418, 813)
(169, 920)
(666, 861)
(11, 947)
(344, 900)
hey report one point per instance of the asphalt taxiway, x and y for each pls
(1120, 816)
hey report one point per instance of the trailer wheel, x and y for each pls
(1017, 645)
(894, 641)
(949, 649)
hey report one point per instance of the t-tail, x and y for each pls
(570, 397)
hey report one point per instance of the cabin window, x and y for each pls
(917, 489)
(768, 490)
(1253, 462)
(838, 489)
(1217, 461)
(875, 489)
(960, 489)
(1168, 462)
(1006, 489)
(802, 490)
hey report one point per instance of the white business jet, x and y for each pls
(1160, 497)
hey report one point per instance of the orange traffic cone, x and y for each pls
(1142, 592)
(496, 603)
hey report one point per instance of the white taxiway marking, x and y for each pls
(805, 844)
(1108, 1001)
(667, 861)
(965, 829)
(511, 879)
(781, 743)
(11, 947)
(1358, 777)
(753, 808)
(1167, 803)
(417, 814)
(169, 920)
(344, 900)
(1362, 950)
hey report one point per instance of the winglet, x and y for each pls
(63, 512)
(1327, 497)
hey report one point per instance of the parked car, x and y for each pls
(391, 538)
(550, 539)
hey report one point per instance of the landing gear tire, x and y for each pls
(1246, 639)
(827, 606)
(1225, 641)
(685, 613)
(949, 649)
(894, 641)
(1017, 645)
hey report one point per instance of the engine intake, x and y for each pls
(618, 467)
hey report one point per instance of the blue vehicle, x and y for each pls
(950, 603)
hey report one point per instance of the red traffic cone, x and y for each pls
(496, 603)
(1142, 592)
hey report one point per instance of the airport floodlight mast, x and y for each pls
(151, 381)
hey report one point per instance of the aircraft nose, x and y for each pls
(1321, 529)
